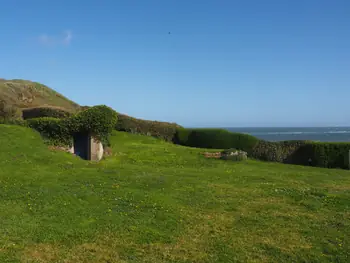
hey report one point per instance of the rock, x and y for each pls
(230, 154)
(234, 155)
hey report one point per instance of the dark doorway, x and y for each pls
(81, 145)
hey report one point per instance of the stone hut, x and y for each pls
(87, 147)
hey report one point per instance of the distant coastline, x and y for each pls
(322, 134)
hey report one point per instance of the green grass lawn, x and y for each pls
(152, 201)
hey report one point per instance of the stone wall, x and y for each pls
(96, 150)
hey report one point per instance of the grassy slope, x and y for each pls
(157, 202)
(24, 94)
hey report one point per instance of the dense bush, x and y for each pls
(9, 112)
(328, 155)
(215, 139)
(267, 151)
(54, 130)
(162, 130)
(99, 121)
(322, 154)
(38, 112)
(277, 151)
(181, 136)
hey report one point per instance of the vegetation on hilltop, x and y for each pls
(28, 94)
(215, 139)
(158, 129)
(99, 121)
(153, 201)
(44, 111)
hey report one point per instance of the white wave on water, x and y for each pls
(338, 132)
(295, 132)
(299, 132)
(326, 134)
(281, 133)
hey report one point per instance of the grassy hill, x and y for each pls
(27, 99)
(153, 201)
(27, 94)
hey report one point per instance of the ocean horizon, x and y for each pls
(322, 134)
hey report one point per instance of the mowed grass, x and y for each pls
(152, 201)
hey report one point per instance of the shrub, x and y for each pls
(9, 112)
(98, 120)
(53, 130)
(215, 139)
(162, 130)
(267, 151)
(38, 112)
(277, 151)
(181, 136)
(320, 154)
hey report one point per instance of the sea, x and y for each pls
(322, 134)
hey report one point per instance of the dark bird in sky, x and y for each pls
(169, 33)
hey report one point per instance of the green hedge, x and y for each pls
(39, 112)
(215, 139)
(319, 154)
(54, 130)
(276, 151)
(98, 120)
(162, 130)
(328, 155)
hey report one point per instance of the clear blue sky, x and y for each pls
(224, 63)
